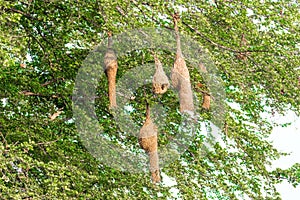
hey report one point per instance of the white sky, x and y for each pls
(287, 139)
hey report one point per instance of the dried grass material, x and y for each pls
(186, 97)
(179, 72)
(148, 142)
(206, 101)
(111, 67)
(148, 134)
(180, 75)
(160, 81)
(155, 176)
(154, 167)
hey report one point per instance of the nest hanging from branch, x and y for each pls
(206, 101)
(180, 75)
(148, 142)
(206, 96)
(160, 81)
(111, 67)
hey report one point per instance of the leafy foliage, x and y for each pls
(41, 153)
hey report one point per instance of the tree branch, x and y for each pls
(20, 12)
(52, 81)
(218, 45)
(28, 93)
(150, 17)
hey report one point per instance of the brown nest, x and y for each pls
(148, 142)
(160, 81)
(180, 75)
(111, 67)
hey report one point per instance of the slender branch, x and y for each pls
(40, 45)
(4, 140)
(92, 22)
(28, 93)
(218, 45)
(20, 12)
(149, 17)
(202, 91)
(47, 41)
(52, 81)
(48, 142)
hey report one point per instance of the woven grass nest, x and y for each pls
(148, 136)
(110, 68)
(180, 75)
(148, 142)
(160, 81)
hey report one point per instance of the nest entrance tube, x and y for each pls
(160, 81)
(111, 67)
(180, 75)
(148, 142)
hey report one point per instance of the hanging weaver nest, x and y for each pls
(206, 101)
(148, 142)
(179, 71)
(180, 75)
(110, 67)
(206, 96)
(148, 134)
(160, 81)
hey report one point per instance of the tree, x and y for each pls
(42, 155)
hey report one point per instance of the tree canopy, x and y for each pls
(253, 44)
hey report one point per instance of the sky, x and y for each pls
(287, 139)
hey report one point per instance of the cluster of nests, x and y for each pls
(180, 78)
(160, 83)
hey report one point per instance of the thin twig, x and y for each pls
(4, 140)
(48, 142)
(28, 93)
(20, 12)
(218, 45)
(52, 81)
(149, 17)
